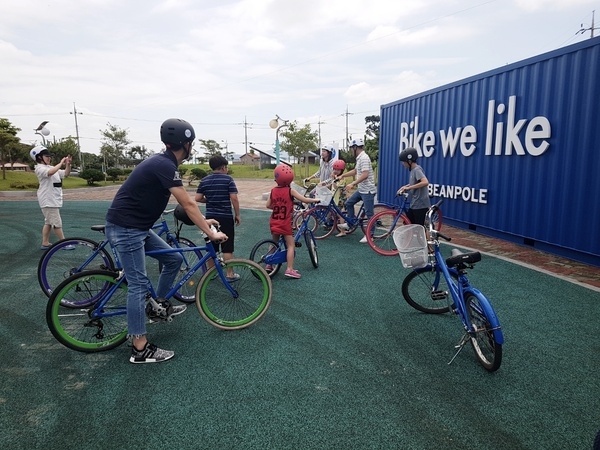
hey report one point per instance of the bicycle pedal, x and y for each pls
(160, 311)
(439, 295)
(297, 244)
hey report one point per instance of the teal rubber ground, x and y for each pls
(339, 361)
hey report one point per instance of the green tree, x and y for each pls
(9, 143)
(114, 144)
(92, 161)
(372, 134)
(210, 147)
(136, 154)
(64, 147)
(297, 141)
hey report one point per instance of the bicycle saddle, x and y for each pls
(462, 258)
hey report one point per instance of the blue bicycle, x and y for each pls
(271, 255)
(442, 286)
(73, 255)
(87, 311)
(324, 218)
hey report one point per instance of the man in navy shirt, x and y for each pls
(136, 207)
(219, 192)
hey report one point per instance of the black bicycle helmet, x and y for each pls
(182, 216)
(176, 132)
(409, 155)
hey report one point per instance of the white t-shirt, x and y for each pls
(50, 193)
(363, 164)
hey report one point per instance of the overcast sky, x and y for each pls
(220, 63)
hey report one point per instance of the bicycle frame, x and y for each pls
(99, 309)
(161, 228)
(459, 289)
(280, 255)
(333, 207)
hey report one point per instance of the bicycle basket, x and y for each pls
(324, 194)
(298, 188)
(412, 246)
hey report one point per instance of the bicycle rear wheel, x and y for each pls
(83, 325)
(487, 350)
(249, 302)
(326, 221)
(70, 256)
(380, 231)
(426, 290)
(311, 246)
(263, 249)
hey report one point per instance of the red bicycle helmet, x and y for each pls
(339, 164)
(283, 175)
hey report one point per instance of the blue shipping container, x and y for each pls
(515, 151)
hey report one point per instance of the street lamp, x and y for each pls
(42, 131)
(274, 123)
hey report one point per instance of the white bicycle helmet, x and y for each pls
(38, 151)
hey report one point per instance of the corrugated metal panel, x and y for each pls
(550, 199)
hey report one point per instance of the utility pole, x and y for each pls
(246, 133)
(346, 140)
(590, 29)
(75, 112)
(319, 123)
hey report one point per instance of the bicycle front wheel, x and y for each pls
(326, 221)
(311, 246)
(260, 251)
(68, 257)
(80, 316)
(380, 231)
(426, 290)
(250, 299)
(487, 350)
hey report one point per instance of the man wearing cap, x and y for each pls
(365, 182)
(50, 194)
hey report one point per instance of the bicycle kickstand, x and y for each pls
(460, 346)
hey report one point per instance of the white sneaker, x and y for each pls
(363, 240)
(343, 226)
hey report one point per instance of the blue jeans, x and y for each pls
(368, 202)
(131, 245)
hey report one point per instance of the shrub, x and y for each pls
(198, 173)
(91, 176)
(114, 174)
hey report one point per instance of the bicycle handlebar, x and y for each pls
(432, 230)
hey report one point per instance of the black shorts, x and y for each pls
(417, 216)
(227, 227)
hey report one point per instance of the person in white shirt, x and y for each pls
(365, 182)
(50, 194)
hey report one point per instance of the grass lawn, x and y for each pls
(27, 181)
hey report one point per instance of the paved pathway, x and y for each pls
(252, 195)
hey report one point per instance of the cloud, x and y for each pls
(538, 5)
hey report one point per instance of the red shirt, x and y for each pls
(282, 205)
